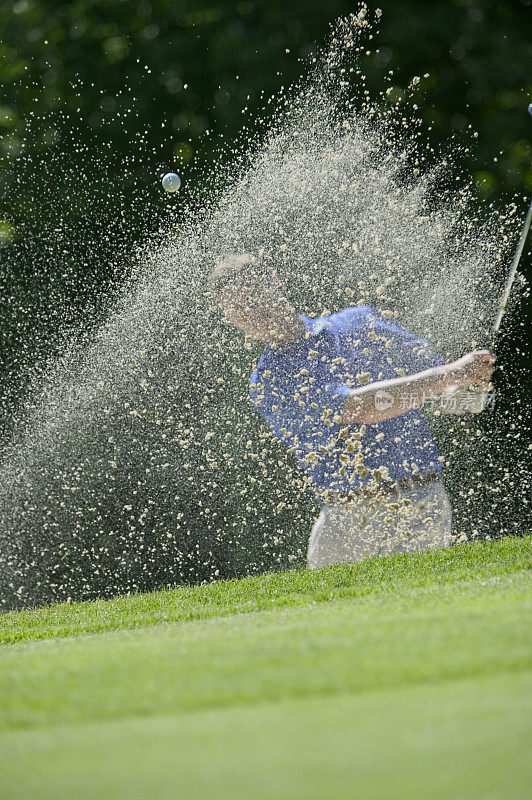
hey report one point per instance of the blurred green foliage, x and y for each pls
(166, 72)
(181, 68)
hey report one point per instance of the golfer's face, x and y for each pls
(252, 309)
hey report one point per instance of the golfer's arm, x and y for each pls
(360, 404)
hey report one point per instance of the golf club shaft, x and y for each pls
(511, 276)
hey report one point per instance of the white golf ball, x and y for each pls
(171, 182)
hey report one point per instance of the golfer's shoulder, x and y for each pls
(351, 318)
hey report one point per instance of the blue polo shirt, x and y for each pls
(300, 389)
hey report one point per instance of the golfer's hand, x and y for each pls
(473, 369)
(458, 401)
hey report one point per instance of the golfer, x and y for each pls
(344, 394)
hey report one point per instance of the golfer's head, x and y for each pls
(251, 297)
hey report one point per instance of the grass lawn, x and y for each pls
(403, 677)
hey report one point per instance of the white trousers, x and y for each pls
(407, 521)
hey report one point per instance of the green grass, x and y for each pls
(403, 677)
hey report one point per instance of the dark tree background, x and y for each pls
(99, 98)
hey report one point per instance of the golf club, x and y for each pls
(477, 398)
(511, 277)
